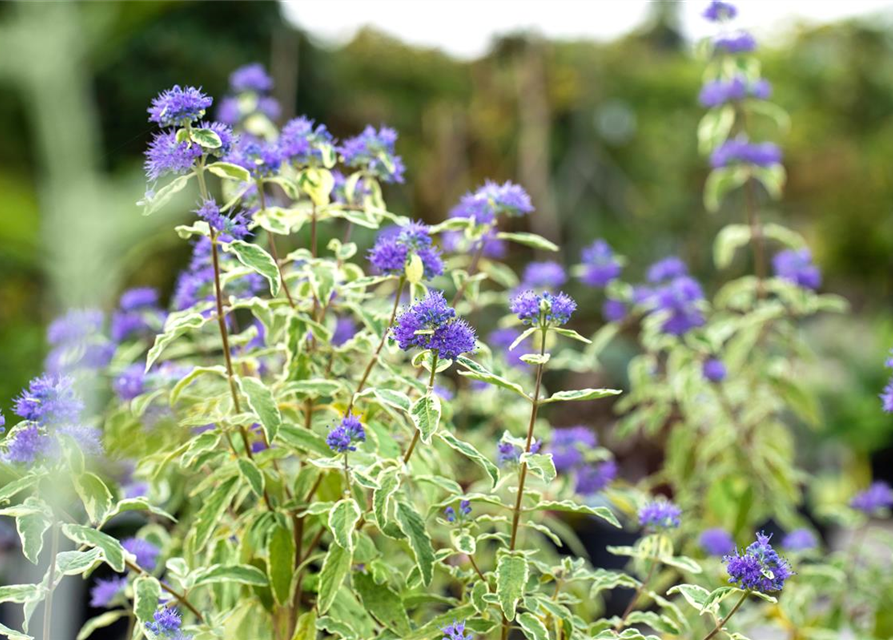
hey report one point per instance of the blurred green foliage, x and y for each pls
(602, 134)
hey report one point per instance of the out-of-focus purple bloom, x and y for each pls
(887, 398)
(714, 370)
(179, 106)
(393, 250)
(228, 227)
(541, 276)
(168, 155)
(345, 329)
(492, 200)
(740, 42)
(759, 568)
(74, 326)
(146, 553)
(874, 500)
(138, 298)
(660, 514)
(718, 92)
(50, 400)
(502, 339)
(614, 310)
(78, 342)
(544, 309)
(166, 625)
(493, 246)
(716, 542)
(667, 269)
(344, 437)
(568, 446)
(195, 284)
(795, 265)
(270, 107)
(228, 111)
(443, 332)
(130, 383)
(679, 300)
(600, 265)
(302, 141)
(374, 152)
(443, 392)
(509, 454)
(719, 11)
(25, 445)
(740, 150)
(592, 478)
(105, 591)
(250, 77)
(258, 157)
(456, 631)
(799, 540)
(88, 439)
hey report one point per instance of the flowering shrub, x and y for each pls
(313, 442)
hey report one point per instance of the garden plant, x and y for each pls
(341, 441)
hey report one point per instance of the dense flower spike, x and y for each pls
(544, 309)
(600, 265)
(456, 631)
(373, 151)
(714, 370)
(741, 151)
(799, 540)
(229, 227)
(432, 324)
(105, 592)
(395, 247)
(759, 568)
(50, 400)
(178, 107)
(250, 77)
(168, 155)
(660, 514)
(260, 158)
(874, 500)
(492, 200)
(716, 542)
(346, 435)
(796, 266)
(303, 142)
(166, 625)
(78, 343)
(145, 552)
(24, 446)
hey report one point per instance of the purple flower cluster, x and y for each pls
(508, 454)
(592, 478)
(195, 284)
(345, 329)
(229, 227)
(874, 500)
(105, 591)
(759, 568)
(716, 542)
(145, 552)
(741, 151)
(543, 276)
(432, 324)
(677, 295)
(719, 92)
(491, 201)
(488, 243)
(130, 383)
(796, 266)
(719, 11)
(800, 540)
(167, 155)
(660, 514)
(373, 151)
(78, 342)
(734, 43)
(714, 370)
(395, 247)
(502, 339)
(177, 107)
(456, 631)
(344, 437)
(260, 158)
(250, 77)
(302, 141)
(464, 512)
(26, 444)
(253, 84)
(545, 309)
(568, 445)
(614, 310)
(887, 395)
(50, 400)
(138, 315)
(600, 265)
(166, 625)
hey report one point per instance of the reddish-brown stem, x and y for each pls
(415, 437)
(273, 249)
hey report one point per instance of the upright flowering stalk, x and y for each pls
(431, 325)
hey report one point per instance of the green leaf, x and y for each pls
(382, 604)
(511, 578)
(727, 242)
(229, 171)
(463, 541)
(715, 127)
(94, 494)
(396, 399)
(306, 627)
(388, 483)
(304, 440)
(190, 377)
(174, 328)
(236, 573)
(532, 627)
(783, 235)
(146, 592)
(281, 564)
(73, 563)
(212, 511)
(413, 527)
(580, 394)
(477, 372)
(683, 562)
(695, 596)
(101, 621)
(334, 569)
(112, 550)
(164, 195)
(262, 402)
(343, 520)
(528, 240)
(258, 260)
(206, 138)
(572, 507)
(720, 182)
(253, 475)
(536, 358)
(473, 454)
(33, 518)
(15, 487)
(425, 414)
(570, 333)
(21, 593)
(540, 464)
(478, 592)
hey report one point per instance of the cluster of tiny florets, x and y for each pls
(874, 500)
(374, 152)
(796, 266)
(492, 200)
(345, 436)
(395, 247)
(600, 265)
(716, 542)
(660, 514)
(464, 511)
(758, 568)
(432, 324)
(456, 631)
(543, 309)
